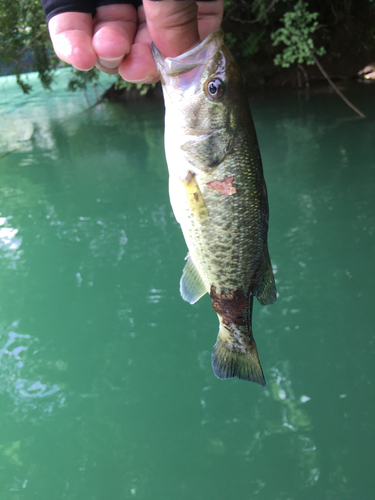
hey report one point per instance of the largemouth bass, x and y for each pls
(218, 195)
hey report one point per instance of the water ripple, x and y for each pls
(19, 377)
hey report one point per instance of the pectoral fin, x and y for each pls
(194, 196)
(192, 287)
(207, 151)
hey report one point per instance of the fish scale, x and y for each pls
(218, 196)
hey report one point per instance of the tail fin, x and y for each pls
(231, 360)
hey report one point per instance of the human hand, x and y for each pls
(118, 38)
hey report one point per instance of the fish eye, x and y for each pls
(214, 88)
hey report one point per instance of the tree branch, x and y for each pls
(259, 18)
(322, 70)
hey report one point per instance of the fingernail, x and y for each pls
(110, 63)
(144, 80)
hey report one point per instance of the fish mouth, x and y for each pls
(197, 57)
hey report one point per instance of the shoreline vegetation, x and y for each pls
(277, 43)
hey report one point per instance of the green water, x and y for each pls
(106, 386)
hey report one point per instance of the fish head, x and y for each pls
(202, 93)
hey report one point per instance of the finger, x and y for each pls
(210, 16)
(71, 34)
(139, 66)
(172, 25)
(114, 30)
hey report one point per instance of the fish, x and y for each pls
(218, 196)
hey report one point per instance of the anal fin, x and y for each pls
(192, 287)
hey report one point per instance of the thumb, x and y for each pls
(172, 25)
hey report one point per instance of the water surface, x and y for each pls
(106, 386)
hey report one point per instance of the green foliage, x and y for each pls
(141, 87)
(228, 3)
(80, 79)
(25, 42)
(247, 47)
(254, 29)
(252, 43)
(230, 40)
(248, 25)
(295, 35)
(249, 12)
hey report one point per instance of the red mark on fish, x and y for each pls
(229, 307)
(224, 187)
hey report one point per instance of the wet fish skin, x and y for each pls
(219, 197)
